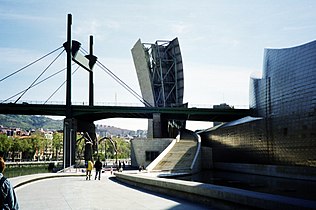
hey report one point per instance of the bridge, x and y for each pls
(94, 113)
(81, 117)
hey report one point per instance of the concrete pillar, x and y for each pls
(157, 125)
(150, 131)
(70, 135)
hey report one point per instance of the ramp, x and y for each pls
(181, 157)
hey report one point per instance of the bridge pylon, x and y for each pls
(70, 123)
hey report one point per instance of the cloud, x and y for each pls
(22, 17)
(19, 57)
(180, 28)
(85, 28)
(112, 24)
(99, 29)
(298, 28)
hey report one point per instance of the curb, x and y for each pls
(23, 180)
(215, 195)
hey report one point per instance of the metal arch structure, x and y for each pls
(160, 75)
(88, 148)
(166, 69)
(114, 144)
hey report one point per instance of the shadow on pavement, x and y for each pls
(173, 198)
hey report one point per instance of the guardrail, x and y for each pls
(194, 167)
(13, 164)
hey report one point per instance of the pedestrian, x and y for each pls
(98, 168)
(8, 199)
(89, 169)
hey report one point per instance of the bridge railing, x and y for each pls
(86, 103)
(235, 106)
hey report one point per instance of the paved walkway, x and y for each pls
(74, 192)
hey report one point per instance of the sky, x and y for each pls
(222, 44)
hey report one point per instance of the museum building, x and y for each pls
(282, 129)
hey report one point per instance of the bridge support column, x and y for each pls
(160, 126)
(156, 125)
(70, 136)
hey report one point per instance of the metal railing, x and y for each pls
(111, 103)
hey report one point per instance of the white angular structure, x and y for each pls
(160, 75)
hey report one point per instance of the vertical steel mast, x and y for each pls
(69, 122)
(69, 58)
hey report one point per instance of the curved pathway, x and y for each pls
(78, 193)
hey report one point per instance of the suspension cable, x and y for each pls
(30, 64)
(35, 84)
(43, 80)
(39, 76)
(121, 82)
(60, 86)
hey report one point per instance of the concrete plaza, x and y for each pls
(73, 191)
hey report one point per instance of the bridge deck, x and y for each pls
(93, 113)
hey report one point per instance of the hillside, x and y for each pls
(30, 122)
(27, 122)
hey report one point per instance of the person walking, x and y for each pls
(8, 199)
(98, 168)
(89, 169)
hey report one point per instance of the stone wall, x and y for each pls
(140, 146)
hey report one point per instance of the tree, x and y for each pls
(123, 148)
(5, 145)
(15, 147)
(57, 144)
(27, 147)
(39, 143)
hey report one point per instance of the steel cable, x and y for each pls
(121, 82)
(60, 86)
(30, 64)
(38, 77)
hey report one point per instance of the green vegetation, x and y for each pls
(37, 147)
(33, 146)
(30, 122)
(107, 150)
(28, 146)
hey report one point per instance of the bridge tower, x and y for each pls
(71, 124)
(160, 75)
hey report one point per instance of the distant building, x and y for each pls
(284, 103)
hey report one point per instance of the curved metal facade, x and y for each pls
(285, 98)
